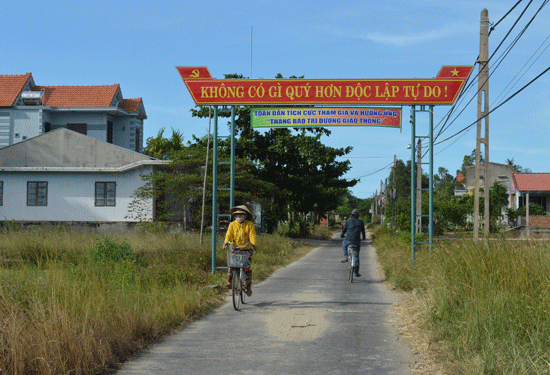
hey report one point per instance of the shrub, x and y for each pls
(108, 249)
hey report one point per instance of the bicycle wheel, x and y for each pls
(236, 289)
(243, 286)
(351, 270)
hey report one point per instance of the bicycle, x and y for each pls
(239, 259)
(352, 256)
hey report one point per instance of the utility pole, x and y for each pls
(419, 187)
(482, 111)
(381, 201)
(375, 202)
(394, 194)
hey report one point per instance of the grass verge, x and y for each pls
(484, 305)
(82, 303)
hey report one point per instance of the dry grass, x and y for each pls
(73, 303)
(474, 308)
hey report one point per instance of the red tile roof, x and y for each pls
(531, 181)
(132, 105)
(11, 86)
(78, 96)
(67, 96)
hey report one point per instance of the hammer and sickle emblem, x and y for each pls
(195, 73)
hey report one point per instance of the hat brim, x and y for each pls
(241, 210)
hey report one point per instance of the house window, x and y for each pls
(37, 193)
(79, 128)
(105, 194)
(137, 141)
(1, 193)
(109, 132)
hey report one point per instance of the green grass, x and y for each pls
(489, 302)
(81, 303)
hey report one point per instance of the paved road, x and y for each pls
(305, 319)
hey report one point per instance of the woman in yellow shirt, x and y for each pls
(240, 232)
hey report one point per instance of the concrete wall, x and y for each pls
(65, 148)
(498, 172)
(26, 124)
(126, 133)
(71, 196)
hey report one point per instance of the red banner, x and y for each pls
(441, 90)
(193, 72)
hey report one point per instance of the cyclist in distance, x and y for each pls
(355, 229)
(240, 232)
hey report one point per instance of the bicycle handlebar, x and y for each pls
(241, 248)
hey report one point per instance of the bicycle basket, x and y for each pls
(238, 259)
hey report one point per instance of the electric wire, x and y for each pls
(499, 61)
(463, 95)
(503, 17)
(530, 66)
(497, 107)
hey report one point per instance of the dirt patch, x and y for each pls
(296, 324)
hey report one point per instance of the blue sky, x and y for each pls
(138, 44)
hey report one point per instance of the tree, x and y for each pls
(470, 160)
(162, 148)
(498, 198)
(178, 187)
(306, 174)
(444, 183)
(517, 168)
(402, 173)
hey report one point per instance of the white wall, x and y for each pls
(71, 196)
(26, 124)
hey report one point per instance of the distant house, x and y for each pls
(65, 176)
(28, 110)
(531, 188)
(460, 185)
(501, 173)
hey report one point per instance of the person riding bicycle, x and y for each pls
(240, 232)
(355, 229)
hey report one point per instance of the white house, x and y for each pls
(66, 176)
(28, 110)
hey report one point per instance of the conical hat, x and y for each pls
(241, 209)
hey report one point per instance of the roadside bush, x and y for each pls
(108, 249)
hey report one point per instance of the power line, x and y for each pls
(470, 85)
(497, 107)
(503, 17)
(548, 37)
(500, 59)
(379, 170)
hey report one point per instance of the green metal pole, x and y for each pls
(431, 176)
(214, 189)
(232, 182)
(413, 181)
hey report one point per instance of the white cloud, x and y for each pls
(409, 39)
